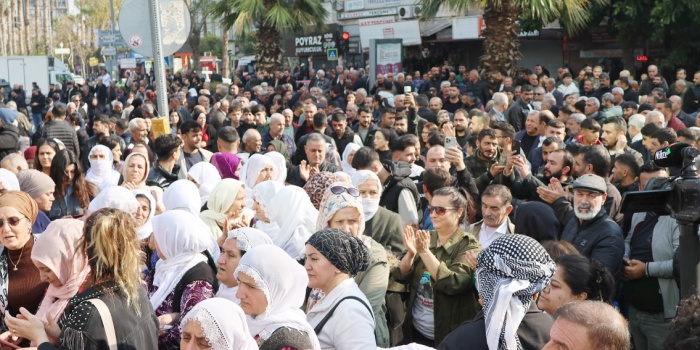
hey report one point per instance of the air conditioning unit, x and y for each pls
(406, 12)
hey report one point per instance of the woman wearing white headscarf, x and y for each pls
(264, 195)
(280, 166)
(115, 197)
(221, 322)
(257, 169)
(8, 181)
(272, 292)
(348, 153)
(183, 195)
(145, 213)
(293, 212)
(206, 176)
(341, 208)
(238, 242)
(383, 225)
(101, 172)
(183, 276)
(226, 203)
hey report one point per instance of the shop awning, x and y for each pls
(431, 27)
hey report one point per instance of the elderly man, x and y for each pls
(252, 143)
(509, 276)
(276, 132)
(610, 108)
(495, 208)
(591, 231)
(139, 132)
(435, 104)
(588, 325)
(315, 150)
(677, 111)
(14, 163)
(500, 104)
(592, 110)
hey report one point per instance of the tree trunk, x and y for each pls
(37, 35)
(501, 43)
(22, 28)
(224, 53)
(3, 28)
(267, 48)
(45, 27)
(26, 27)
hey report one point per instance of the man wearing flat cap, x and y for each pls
(591, 231)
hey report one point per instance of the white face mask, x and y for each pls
(100, 167)
(370, 207)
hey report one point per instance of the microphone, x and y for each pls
(671, 156)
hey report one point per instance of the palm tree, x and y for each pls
(271, 18)
(501, 43)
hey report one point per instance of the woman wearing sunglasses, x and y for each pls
(443, 295)
(341, 208)
(21, 284)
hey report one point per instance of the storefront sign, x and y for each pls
(368, 13)
(375, 21)
(377, 3)
(314, 44)
(409, 31)
(354, 5)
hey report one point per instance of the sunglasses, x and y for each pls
(350, 190)
(439, 210)
(13, 221)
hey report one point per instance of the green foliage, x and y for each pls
(211, 42)
(670, 23)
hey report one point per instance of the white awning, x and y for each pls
(428, 28)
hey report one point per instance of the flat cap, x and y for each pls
(590, 182)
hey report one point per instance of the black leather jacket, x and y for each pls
(159, 176)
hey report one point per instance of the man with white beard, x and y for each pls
(591, 231)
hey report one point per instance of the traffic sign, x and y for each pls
(109, 51)
(62, 51)
(332, 54)
(110, 38)
(135, 25)
(93, 61)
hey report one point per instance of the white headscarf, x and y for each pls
(101, 172)
(223, 323)
(293, 212)
(369, 205)
(125, 168)
(283, 281)
(246, 239)
(9, 180)
(250, 172)
(207, 176)
(146, 229)
(280, 166)
(221, 199)
(115, 197)
(347, 168)
(264, 193)
(184, 195)
(181, 241)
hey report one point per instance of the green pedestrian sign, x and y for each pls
(332, 54)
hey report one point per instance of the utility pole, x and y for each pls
(158, 58)
(113, 60)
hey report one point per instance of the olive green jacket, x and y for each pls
(455, 298)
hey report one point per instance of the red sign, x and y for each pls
(642, 58)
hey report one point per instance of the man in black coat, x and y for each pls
(521, 108)
(477, 87)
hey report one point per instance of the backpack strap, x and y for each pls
(107, 322)
(325, 319)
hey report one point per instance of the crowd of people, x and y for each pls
(414, 211)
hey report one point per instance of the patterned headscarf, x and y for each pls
(317, 184)
(347, 253)
(508, 273)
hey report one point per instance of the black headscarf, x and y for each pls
(537, 220)
(347, 253)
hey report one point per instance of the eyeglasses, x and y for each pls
(12, 220)
(350, 190)
(439, 210)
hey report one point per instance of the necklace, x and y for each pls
(18, 260)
